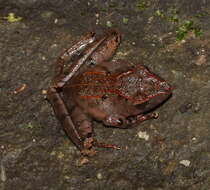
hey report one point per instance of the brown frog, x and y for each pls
(118, 93)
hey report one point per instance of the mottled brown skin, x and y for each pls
(115, 92)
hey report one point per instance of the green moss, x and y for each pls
(141, 5)
(28, 125)
(183, 26)
(12, 18)
(125, 20)
(171, 15)
(187, 27)
(159, 13)
(173, 18)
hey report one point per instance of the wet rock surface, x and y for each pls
(170, 37)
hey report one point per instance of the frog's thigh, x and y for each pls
(82, 122)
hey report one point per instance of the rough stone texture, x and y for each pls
(35, 154)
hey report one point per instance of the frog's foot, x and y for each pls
(89, 144)
(105, 145)
(88, 152)
(132, 121)
(141, 118)
(88, 149)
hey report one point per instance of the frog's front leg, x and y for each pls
(143, 117)
(119, 121)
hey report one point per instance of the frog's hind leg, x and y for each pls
(63, 116)
(86, 133)
(105, 145)
(85, 130)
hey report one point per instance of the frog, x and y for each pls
(89, 86)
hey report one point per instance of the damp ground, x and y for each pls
(172, 152)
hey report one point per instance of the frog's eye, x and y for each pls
(104, 97)
(120, 121)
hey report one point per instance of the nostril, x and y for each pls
(165, 86)
(131, 120)
(104, 97)
(117, 39)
